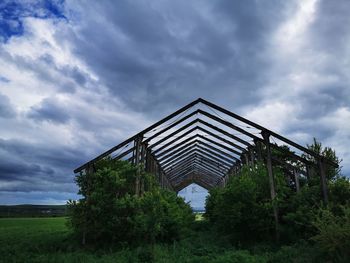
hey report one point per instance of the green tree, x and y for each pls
(243, 209)
(109, 210)
(333, 235)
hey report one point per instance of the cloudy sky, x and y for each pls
(77, 77)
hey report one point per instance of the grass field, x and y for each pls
(49, 240)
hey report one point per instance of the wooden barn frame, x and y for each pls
(196, 145)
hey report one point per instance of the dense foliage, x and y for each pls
(239, 215)
(47, 240)
(110, 211)
(243, 210)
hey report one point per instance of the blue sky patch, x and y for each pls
(3, 79)
(12, 14)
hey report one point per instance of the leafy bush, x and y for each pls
(333, 235)
(243, 209)
(111, 212)
(300, 252)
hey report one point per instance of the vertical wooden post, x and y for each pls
(133, 160)
(148, 157)
(308, 172)
(296, 178)
(138, 141)
(252, 157)
(246, 158)
(143, 165)
(258, 149)
(266, 137)
(323, 180)
(88, 170)
(143, 154)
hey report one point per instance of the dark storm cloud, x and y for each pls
(328, 36)
(13, 171)
(168, 54)
(49, 110)
(326, 100)
(33, 167)
(109, 59)
(330, 30)
(62, 157)
(6, 109)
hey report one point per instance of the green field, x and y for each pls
(49, 240)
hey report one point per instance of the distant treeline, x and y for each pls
(198, 210)
(32, 210)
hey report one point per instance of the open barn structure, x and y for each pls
(206, 144)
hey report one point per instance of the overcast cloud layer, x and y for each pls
(78, 77)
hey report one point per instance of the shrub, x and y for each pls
(243, 209)
(333, 235)
(111, 212)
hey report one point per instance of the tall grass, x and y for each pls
(49, 240)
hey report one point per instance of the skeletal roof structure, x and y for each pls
(205, 144)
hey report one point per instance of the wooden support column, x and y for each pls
(138, 141)
(90, 168)
(143, 154)
(133, 158)
(296, 178)
(323, 180)
(288, 179)
(246, 158)
(252, 156)
(258, 150)
(148, 161)
(308, 172)
(143, 165)
(266, 136)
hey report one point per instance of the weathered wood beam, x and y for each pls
(218, 166)
(138, 142)
(200, 175)
(194, 159)
(219, 144)
(207, 155)
(178, 150)
(200, 157)
(266, 137)
(296, 179)
(178, 159)
(195, 162)
(226, 123)
(228, 160)
(191, 180)
(231, 157)
(174, 114)
(169, 150)
(225, 133)
(236, 146)
(152, 145)
(175, 140)
(178, 154)
(179, 144)
(259, 127)
(323, 180)
(171, 126)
